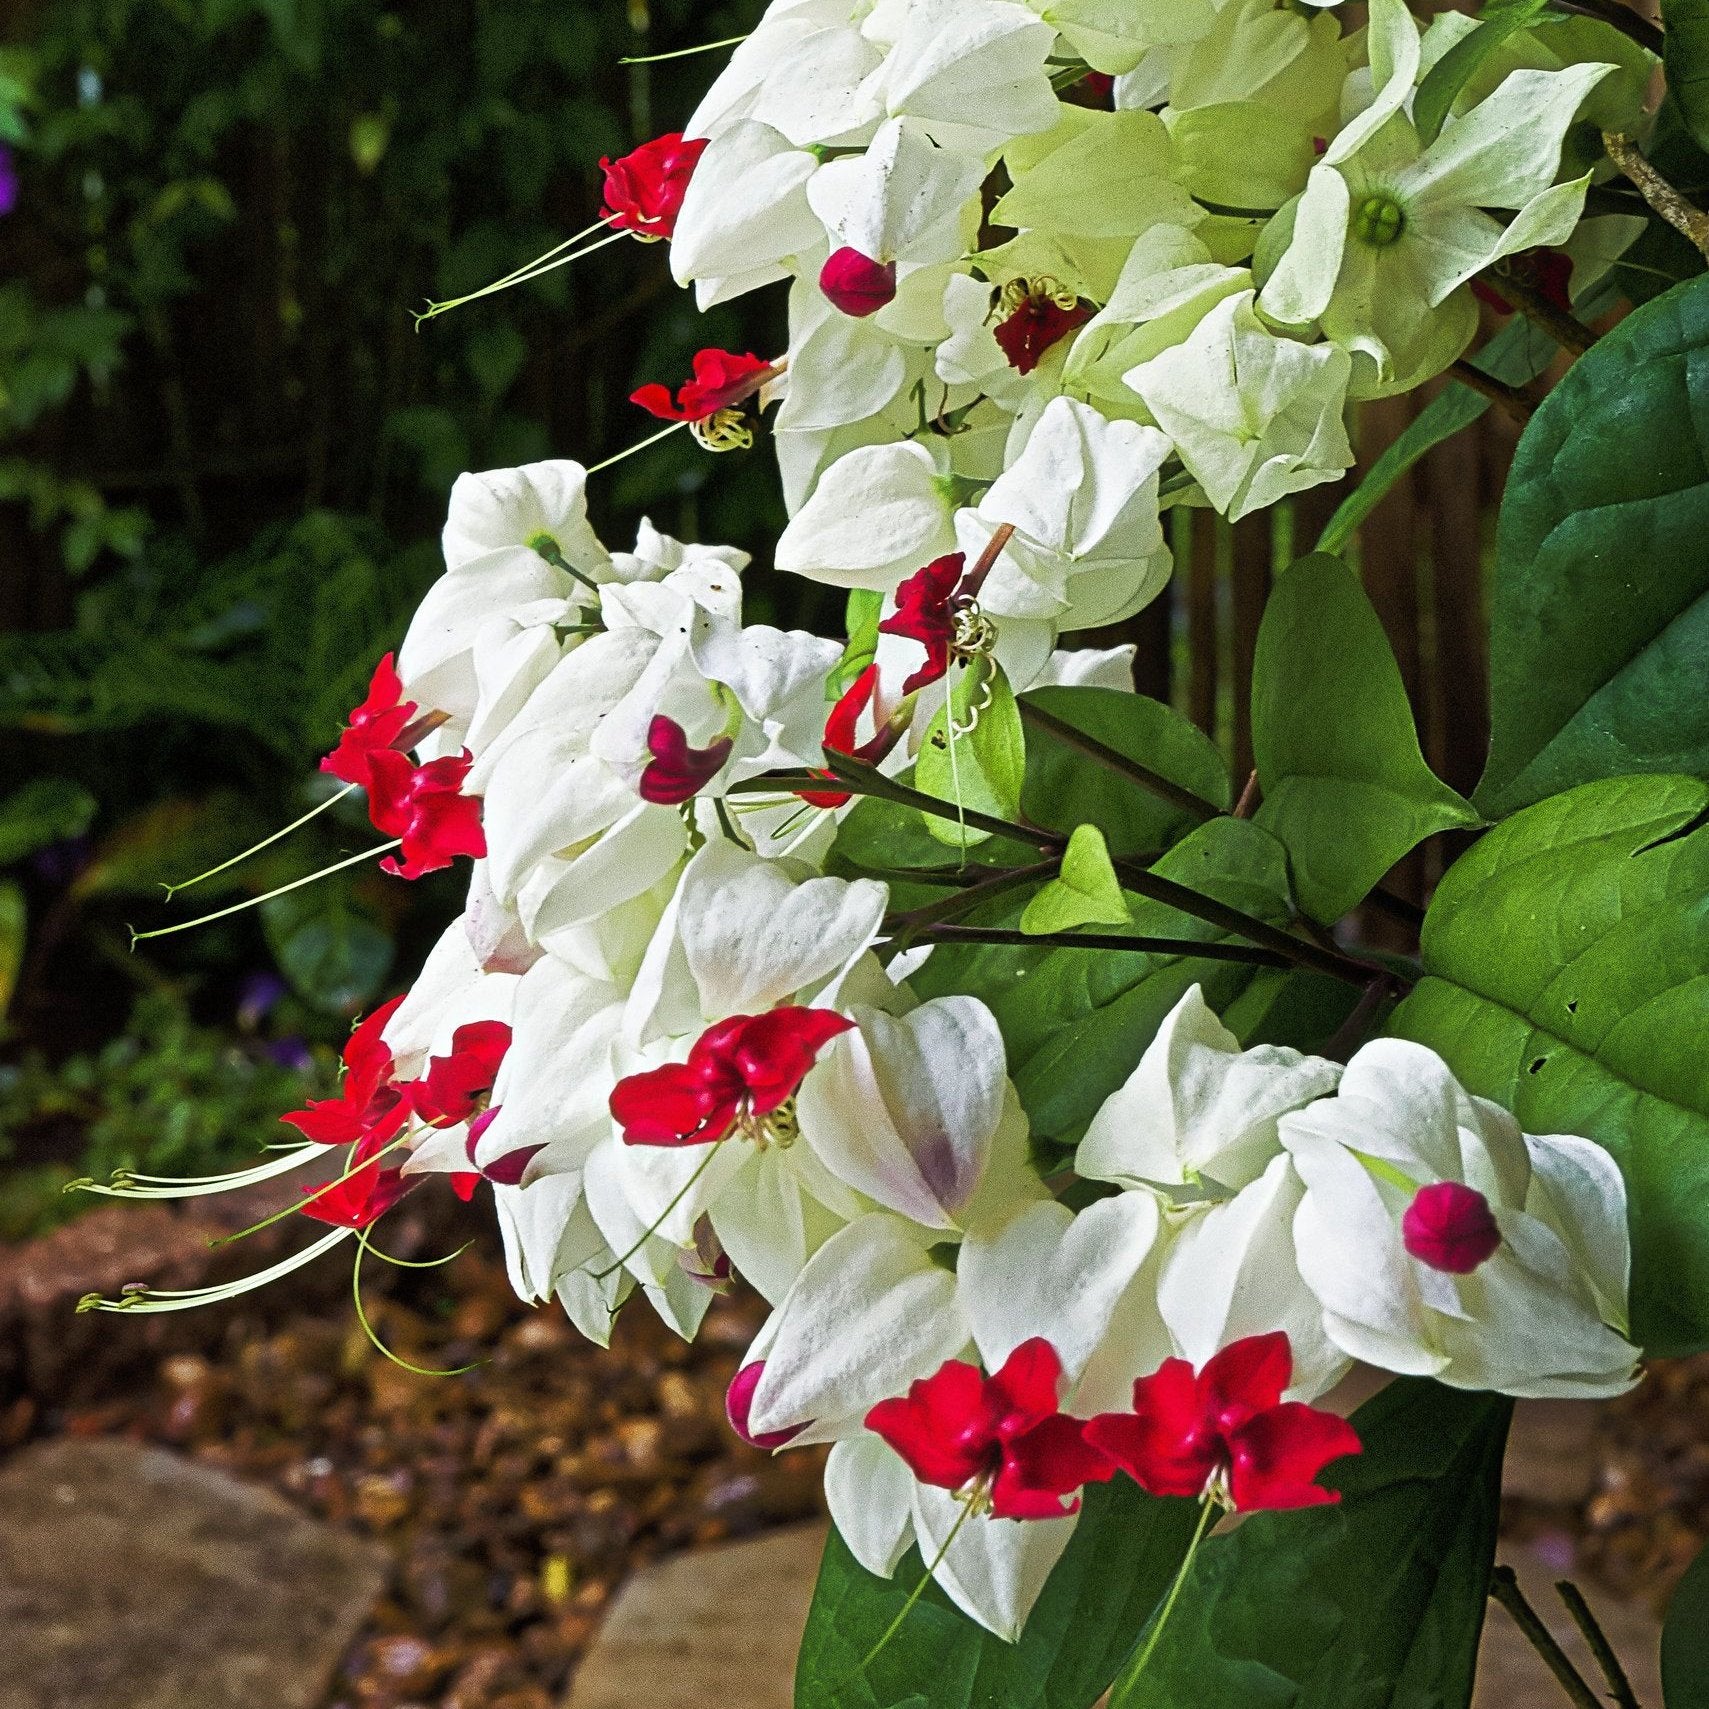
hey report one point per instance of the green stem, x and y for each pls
(1128, 1680)
(1143, 775)
(916, 1593)
(984, 890)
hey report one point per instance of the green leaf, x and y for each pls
(1686, 61)
(332, 949)
(1566, 962)
(1066, 787)
(1685, 1640)
(975, 752)
(1124, 1552)
(864, 611)
(1456, 68)
(1087, 892)
(46, 810)
(1601, 606)
(1517, 354)
(1076, 1021)
(1346, 788)
(14, 931)
(1376, 1603)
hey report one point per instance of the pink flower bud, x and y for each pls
(857, 284)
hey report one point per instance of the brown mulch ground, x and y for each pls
(516, 1497)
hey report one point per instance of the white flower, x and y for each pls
(1388, 231)
(1088, 546)
(1254, 417)
(1443, 1242)
(877, 515)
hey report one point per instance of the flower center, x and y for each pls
(723, 430)
(1379, 221)
(780, 1127)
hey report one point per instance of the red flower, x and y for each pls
(924, 613)
(455, 1088)
(721, 378)
(1002, 1435)
(364, 1195)
(840, 738)
(739, 1071)
(1226, 1424)
(857, 284)
(739, 1403)
(374, 726)
(368, 1102)
(1450, 1227)
(677, 771)
(1034, 325)
(644, 189)
(424, 806)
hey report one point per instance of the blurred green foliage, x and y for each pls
(225, 450)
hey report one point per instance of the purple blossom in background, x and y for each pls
(292, 1052)
(8, 182)
(257, 997)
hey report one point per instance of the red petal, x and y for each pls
(1276, 1457)
(327, 1121)
(1164, 1444)
(664, 1106)
(1044, 1465)
(774, 1052)
(1028, 1384)
(945, 1428)
(1248, 1374)
(644, 189)
(657, 400)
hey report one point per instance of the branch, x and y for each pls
(1655, 189)
(1627, 22)
(1504, 1587)
(1565, 328)
(1619, 1686)
(1191, 948)
(1516, 400)
(1143, 775)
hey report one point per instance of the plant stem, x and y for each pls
(1143, 882)
(1565, 328)
(1627, 22)
(1207, 1509)
(909, 925)
(1655, 189)
(1250, 955)
(1504, 1587)
(1143, 775)
(1619, 1686)
(1517, 402)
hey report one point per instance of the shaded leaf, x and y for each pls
(974, 753)
(1685, 1640)
(1124, 1552)
(46, 810)
(1346, 788)
(1377, 1603)
(1601, 608)
(1065, 787)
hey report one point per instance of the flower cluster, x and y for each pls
(1052, 269)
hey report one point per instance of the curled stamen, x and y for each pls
(726, 430)
(541, 264)
(255, 848)
(124, 1183)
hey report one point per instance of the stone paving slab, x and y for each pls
(133, 1579)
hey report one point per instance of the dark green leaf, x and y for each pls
(1076, 1021)
(1685, 1640)
(1346, 788)
(1377, 1603)
(14, 929)
(170, 842)
(47, 810)
(1567, 977)
(1124, 1553)
(1687, 62)
(1601, 611)
(332, 949)
(1065, 787)
(1451, 73)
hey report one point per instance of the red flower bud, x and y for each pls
(857, 284)
(1450, 1227)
